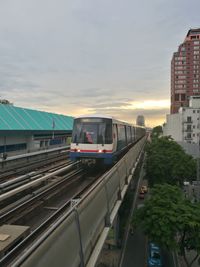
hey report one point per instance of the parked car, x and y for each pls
(154, 256)
(144, 188)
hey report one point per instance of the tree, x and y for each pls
(167, 162)
(157, 131)
(171, 221)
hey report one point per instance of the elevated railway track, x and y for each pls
(60, 197)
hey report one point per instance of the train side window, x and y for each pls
(133, 133)
(121, 142)
(129, 134)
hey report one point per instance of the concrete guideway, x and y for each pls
(80, 233)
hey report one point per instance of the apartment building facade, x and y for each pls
(185, 71)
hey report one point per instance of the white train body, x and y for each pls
(101, 138)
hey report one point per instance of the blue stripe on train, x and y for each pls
(108, 157)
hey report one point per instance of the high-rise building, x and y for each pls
(185, 71)
(140, 120)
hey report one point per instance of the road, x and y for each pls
(135, 250)
(135, 253)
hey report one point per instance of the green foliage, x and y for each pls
(157, 131)
(170, 220)
(168, 163)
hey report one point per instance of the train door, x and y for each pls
(114, 137)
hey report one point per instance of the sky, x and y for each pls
(77, 57)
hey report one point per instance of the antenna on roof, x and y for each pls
(5, 102)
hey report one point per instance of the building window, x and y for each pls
(193, 126)
(182, 97)
(193, 135)
(176, 97)
(194, 111)
(189, 119)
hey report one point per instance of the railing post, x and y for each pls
(80, 238)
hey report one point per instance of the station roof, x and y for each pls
(15, 118)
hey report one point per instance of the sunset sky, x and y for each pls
(92, 56)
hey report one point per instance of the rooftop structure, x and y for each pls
(185, 71)
(15, 118)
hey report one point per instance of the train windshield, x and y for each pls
(92, 131)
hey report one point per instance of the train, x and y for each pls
(102, 139)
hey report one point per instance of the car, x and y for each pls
(154, 255)
(141, 195)
(144, 188)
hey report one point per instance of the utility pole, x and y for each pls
(198, 161)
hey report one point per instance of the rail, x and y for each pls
(11, 162)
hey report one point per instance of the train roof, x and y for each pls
(94, 116)
(107, 117)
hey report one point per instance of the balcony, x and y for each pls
(188, 130)
(188, 122)
(187, 138)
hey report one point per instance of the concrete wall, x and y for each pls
(191, 149)
(173, 126)
(30, 143)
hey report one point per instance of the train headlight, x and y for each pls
(78, 150)
(100, 151)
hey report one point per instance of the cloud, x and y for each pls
(75, 57)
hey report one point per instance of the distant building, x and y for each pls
(185, 71)
(184, 126)
(24, 130)
(140, 120)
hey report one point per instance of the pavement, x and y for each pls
(135, 253)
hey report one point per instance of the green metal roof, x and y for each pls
(15, 118)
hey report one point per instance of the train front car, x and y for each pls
(92, 140)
